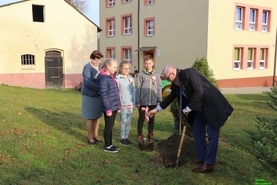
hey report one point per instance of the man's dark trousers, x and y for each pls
(205, 152)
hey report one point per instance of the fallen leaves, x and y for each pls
(2, 159)
(15, 131)
(107, 162)
(67, 150)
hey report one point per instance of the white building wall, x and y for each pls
(63, 29)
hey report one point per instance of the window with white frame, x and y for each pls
(27, 60)
(150, 28)
(250, 59)
(111, 27)
(127, 55)
(265, 21)
(239, 18)
(110, 53)
(237, 58)
(252, 19)
(127, 23)
(111, 3)
(263, 54)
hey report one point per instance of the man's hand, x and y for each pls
(152, 112)
(138, 105)
(185, 111)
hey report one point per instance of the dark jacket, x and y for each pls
(109, 92)
(90, 83)
(202, 96)
(175, 93)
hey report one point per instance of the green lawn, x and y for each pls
(43, 141)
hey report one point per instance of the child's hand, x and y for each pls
(119, 111)
(109, 114)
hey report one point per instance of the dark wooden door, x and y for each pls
(53, 70)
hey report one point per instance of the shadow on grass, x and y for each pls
(63, 121)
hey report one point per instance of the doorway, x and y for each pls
(54, 69)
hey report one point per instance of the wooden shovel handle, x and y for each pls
(181, 141)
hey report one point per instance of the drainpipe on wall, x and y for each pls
(138, 33)
(275, 55)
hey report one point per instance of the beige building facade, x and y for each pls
(237, 38)
(44, 44)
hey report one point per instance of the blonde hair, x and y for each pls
(108, 62)
(121, 65)
(105, 65)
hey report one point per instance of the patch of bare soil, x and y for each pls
(167, 151)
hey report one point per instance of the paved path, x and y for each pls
(244, 90)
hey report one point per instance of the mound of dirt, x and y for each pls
(168, 149)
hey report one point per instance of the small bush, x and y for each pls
(202, 66)
(265, 138)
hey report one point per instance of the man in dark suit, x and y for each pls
(204, 104)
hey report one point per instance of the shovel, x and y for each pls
(180, 124)
(180, 144)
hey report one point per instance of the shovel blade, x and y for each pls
(177, 162)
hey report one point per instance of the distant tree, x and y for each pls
(81, 5)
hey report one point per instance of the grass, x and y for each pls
(43, 141)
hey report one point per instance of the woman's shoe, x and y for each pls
(97, 140)
(91, 143)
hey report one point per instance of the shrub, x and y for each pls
(202, 66)
(265, 138)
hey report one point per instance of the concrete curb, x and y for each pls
(244, 90)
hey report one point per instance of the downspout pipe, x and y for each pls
(275, 56)
(138, 33)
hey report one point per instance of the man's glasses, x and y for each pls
(167, 78)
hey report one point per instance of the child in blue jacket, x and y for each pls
(111, 101)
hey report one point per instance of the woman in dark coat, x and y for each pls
(205, 103)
